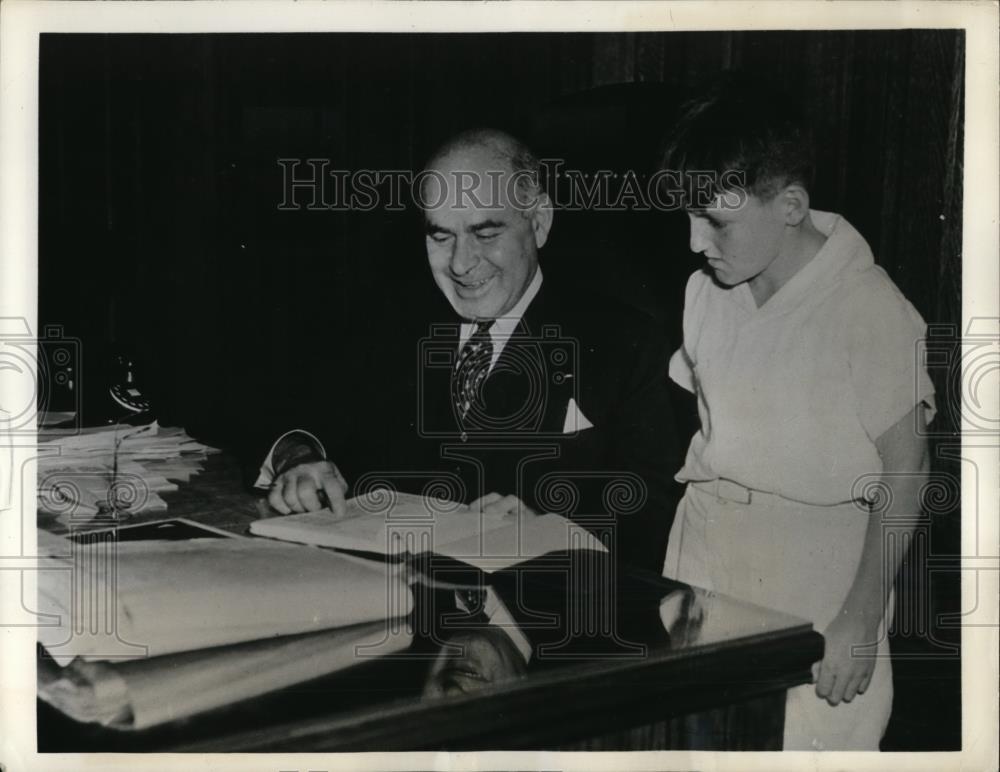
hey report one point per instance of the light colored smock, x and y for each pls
(792, 396)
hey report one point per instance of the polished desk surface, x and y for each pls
(623, 650)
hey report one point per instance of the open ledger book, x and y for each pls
(393, 523)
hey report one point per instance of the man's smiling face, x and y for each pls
(482, 236)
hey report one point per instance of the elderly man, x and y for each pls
(535, 397)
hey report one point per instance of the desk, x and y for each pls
(678, 667)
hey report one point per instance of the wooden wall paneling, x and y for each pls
(827, 91)
(614, 60)
(649, 58)
(690, 57)
(948, 304)
(923, 168)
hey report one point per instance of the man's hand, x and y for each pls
(841, 676)
(299, 489)
(495, 504)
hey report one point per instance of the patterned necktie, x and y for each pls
(474, 602)
(472, 367)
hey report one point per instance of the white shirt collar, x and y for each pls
(504, 326)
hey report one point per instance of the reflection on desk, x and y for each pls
(610, 649)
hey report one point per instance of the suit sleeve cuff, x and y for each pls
(267, 475)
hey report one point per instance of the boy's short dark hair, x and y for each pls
(739, 133)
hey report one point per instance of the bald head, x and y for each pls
(500, 153)
(485, 218)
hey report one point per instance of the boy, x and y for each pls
(802, 354)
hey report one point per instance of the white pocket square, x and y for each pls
(575, 421)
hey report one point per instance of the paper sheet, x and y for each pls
(144, 693)
(133, 599)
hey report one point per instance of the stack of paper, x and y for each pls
(114, 468)
(120, 600)
(141, 694)
(143, 632)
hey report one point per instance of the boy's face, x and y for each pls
(739, 243)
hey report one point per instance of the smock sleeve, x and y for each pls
(682, 363)
(885, 351)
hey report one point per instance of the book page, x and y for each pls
(382, 521)
(512, 539)
(398, 523)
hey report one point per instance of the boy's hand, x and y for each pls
(841, 676)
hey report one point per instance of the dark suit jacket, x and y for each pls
(610, 360)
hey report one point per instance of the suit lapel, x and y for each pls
(527, 389)
(437, 365)
(507, 390)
